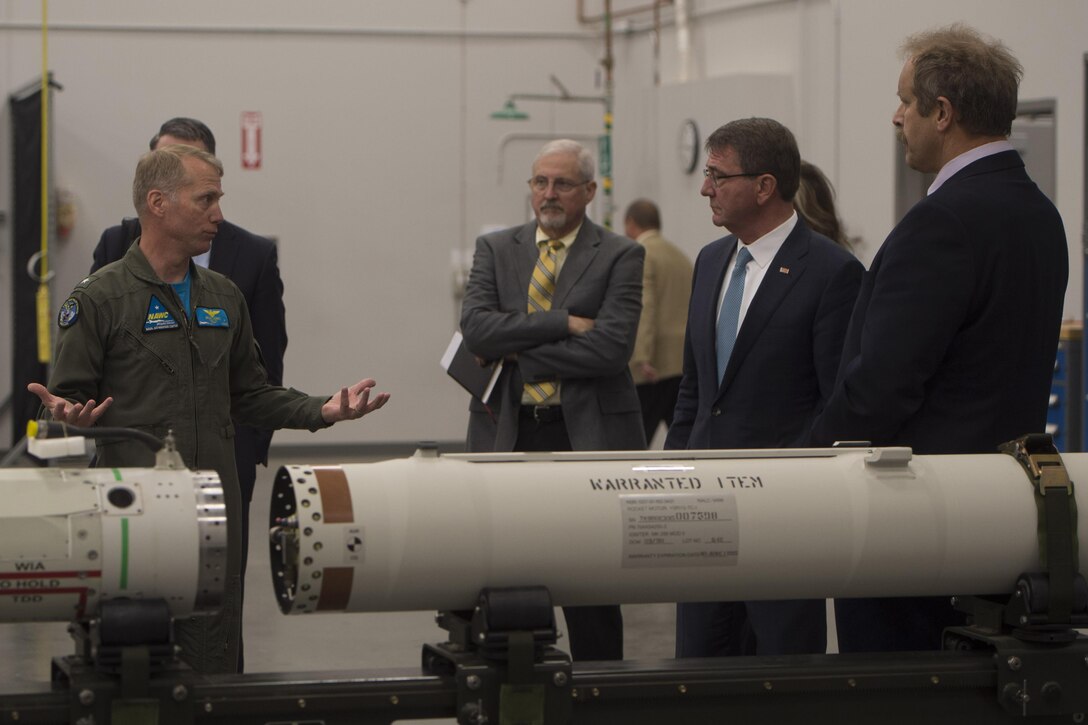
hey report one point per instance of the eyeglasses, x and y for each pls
(717, 178)
(561, 186)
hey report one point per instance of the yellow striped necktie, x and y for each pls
(541, 291)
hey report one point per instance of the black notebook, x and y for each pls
(461, 365)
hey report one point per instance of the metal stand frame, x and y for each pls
(1017, 660)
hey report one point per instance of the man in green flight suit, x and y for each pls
(157, 343)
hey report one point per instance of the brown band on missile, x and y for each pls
(335, 495)
(335, 588)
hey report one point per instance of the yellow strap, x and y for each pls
(44, 316)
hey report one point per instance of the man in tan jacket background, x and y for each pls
(658, 360)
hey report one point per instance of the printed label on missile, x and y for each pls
(680, 530)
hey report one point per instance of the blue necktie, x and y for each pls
(730, 313)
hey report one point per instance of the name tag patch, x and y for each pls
(158, 317)
(211, 317)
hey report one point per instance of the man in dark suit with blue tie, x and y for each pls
(769, 307)
(251, 263)
(951, 346)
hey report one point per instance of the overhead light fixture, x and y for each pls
(510, 112)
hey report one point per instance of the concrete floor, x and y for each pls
(278, 643)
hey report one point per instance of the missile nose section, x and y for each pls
(72, 539)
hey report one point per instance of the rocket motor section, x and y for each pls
(72, 539)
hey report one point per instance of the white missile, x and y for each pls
(429, 532)
(71, 539)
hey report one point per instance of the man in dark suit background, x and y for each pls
(951, 346)
(559, 300)
(251, 262)
(760, 354)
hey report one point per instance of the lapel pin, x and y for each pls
(783, 270)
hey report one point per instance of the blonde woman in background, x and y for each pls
(815, 202)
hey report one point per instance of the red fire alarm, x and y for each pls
(251, 139)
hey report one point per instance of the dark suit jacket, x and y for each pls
(786, 353)
(251, 262)
(951, 345)
(601, 279)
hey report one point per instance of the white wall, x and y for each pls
(382, 162)
(380, 158)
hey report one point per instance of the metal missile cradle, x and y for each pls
(502, 662)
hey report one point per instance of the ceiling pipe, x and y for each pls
(656, 36)
(586, 19)
(605, 154)
(552, 97)
(683, 42)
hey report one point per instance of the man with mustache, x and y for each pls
(559, 300)
(951, 346)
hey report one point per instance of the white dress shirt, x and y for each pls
(763, 251)
(968, 157)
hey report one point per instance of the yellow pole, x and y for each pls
(44, 316)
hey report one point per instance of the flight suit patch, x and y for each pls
(158, 317)
(69, 312)
(211, 317)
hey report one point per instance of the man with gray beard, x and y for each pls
(558, 300)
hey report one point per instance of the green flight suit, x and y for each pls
(122, 333)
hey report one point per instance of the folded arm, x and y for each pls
(492, 332)
(606, 348)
